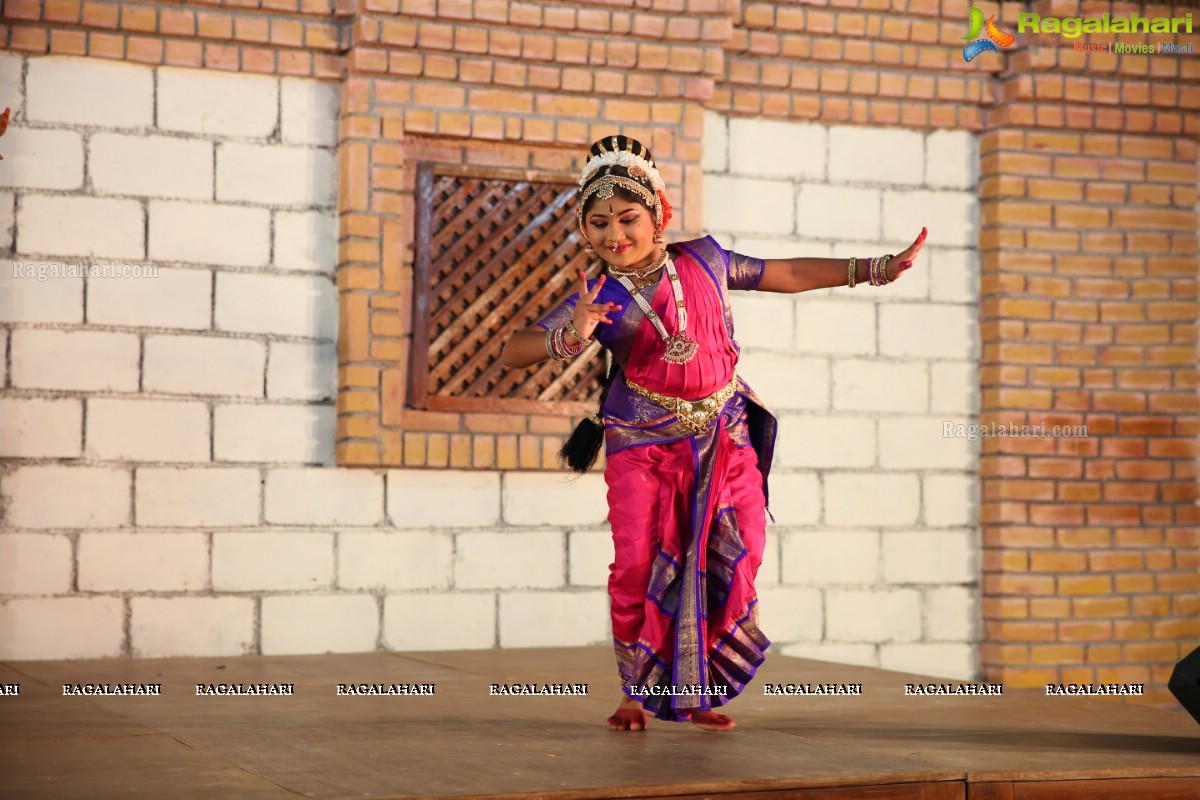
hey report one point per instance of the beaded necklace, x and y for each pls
(680, 349)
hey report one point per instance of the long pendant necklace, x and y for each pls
(680, 349)
(640, 277)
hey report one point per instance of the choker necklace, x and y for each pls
(640, 276)
(680, 349)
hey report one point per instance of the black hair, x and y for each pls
(582, 447)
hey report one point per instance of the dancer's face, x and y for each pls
(621, 231)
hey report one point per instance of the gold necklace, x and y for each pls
(640, 277)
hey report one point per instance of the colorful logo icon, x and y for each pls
(995, 36)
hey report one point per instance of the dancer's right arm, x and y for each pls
(528, 346)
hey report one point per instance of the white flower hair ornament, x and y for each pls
(628, 160)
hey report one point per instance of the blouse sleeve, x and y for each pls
(560, 315)
(745, 272)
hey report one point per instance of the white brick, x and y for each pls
(554, 619)
(309, 112)
(89, 91)
(918, 443)
(284, 305)
(324, 497)
(880, 156)
(530, 559)
(762, 320)
(202, 497)
(75, 360)
(716, 143)
(418, 498)
(8, 216)
(776, 148)
(955, 388)
(187, 232)
(551, 498)
(28, 299)
(837, 212)
(204, 365)
(143, 562)
(950, 499)
(62, 627)
(790, 614)
(589, 555)
(954, 273)
(275, 175)
(951, 159)
(769, 570)
(4, 350)
(394, 560)
(871, 498)
(319, 624)
(280, 434)
(42, 159)
(12, 87)
(165, 627)
(146, 430)
(306, 240)
(928, 330)
(302, 371)
(176, 298)
(271, 561)
(929, 556)
(40, 428)
(860, 385)
(749, 205)
(825, 557)
(55, 496)
(821, 441)
(218, 103)
(884, 615)
(151, 166)
(791, 247)
(832, 326)
(787, 382)
(795, 498)
(34, 563)
(951, 661)
(417, 622)
(956, 215)
(862, 655)
(952, 613)
(81, 227)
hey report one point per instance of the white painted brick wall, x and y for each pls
(878, 156)
(509, 560)
(151, 166)
(549, 498)
(831, 557)
(165, 562)
(917, 443)
(394, 560)
(72, 227)
(27, 299)
(871, 498)
(271, 561)
(930, 330)
(324, 497)
(275, 175)
(788, 614)
(34, 563)
(217, 103)
(36, 158)
(951, 160)
(12, 83)
(274, 433)
(92, 92)
(956, 215)
(305, 240)
(589, 555)
(954, 274)
(950, 500)
(762, 320)
(878, 386)
(319, 624)
(166, 627)
(203, 497)
(302, 371)
(449, 621)
(929, 557)
(787, 382)
(954, 388)
(843, 212)
(938, 660)
(176, 298)
(554, 619)
(53, 496)
(442, 498)
(952, 613)
(97, 361)
(204, 365)
(308, 112)
(774, 148)
(873, 615)
(285, 305)
(40, 428)
(8, 216)
(147, 430)
(749, 205)
(825, 441)
(795, 498)
(182, 231)
(833, 326)
(716, 143)
(42, 628)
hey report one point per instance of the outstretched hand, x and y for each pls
(904, 260)
(588, 313)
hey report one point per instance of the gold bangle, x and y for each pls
(852, 275)
(575, 332)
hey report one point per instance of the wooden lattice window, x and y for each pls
(495, 251)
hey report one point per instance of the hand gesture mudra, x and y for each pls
(589, 313)
(904, 259)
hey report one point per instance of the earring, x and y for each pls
(587, 248)
(658, 237)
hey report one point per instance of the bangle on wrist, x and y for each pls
(571, 329)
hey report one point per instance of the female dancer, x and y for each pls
(688, 444)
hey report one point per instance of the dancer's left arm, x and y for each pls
(802, 274)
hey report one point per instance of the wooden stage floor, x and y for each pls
(462, 742)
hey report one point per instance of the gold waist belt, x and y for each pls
(694, 414)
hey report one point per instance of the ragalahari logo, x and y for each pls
(995, 36)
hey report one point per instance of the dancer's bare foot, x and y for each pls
(712, 721)
(628, 716)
